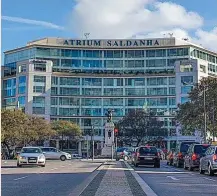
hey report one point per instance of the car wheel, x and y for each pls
(136, 165)
(190, 168)
(210, 171)
(63, 158)
(43, 165)
(201, 170)
(178, 164)
(185, 166)
(157, 165)
(167, 163)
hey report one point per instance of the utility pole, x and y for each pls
(92, 139)
(204, 106)
(87, 146)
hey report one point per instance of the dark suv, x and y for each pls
(193, 156)
(180, 152)
(146, 155)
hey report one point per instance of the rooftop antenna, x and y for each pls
(87, 35)
(171, 35)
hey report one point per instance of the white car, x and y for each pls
(53, 153)
(31, 156)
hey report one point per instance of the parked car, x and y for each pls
(146, 155)
(180, 152)
(31, 156)
(193, 156)
(123, 153)
(53, 153)
(170, 157)
(209, 161)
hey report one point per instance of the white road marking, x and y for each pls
(62, 166)
(21, 178)
(209, 179)
(160, 172)
(173, 178)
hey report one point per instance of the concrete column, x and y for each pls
(168, 145)
(57, 144)
(79, 149)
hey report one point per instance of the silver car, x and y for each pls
(31, 156)
(53, 153)
(209, 161)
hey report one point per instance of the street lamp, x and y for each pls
(92, 139)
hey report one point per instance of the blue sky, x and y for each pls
(74, 20)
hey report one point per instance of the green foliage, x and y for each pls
(137, 125)
(191, 114)
(21, 129)
(66, 128)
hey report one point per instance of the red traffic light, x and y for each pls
(116, 130)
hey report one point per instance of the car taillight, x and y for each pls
(158, 154)
(214, 157)
(194, 157)
(122, 153)
(137, 154)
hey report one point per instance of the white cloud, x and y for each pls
(138, 19)
(32, 22)
(124, 18)
(207, 38)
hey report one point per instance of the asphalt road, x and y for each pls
(57, 178)
(170, 181)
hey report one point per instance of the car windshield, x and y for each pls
(184, 147)
(147, 150)
(31, 150)
(200, 149)
(121, 149)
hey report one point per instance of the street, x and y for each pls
(71, 178)
(169, 180)
(57, 178)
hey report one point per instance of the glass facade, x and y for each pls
(86, 82)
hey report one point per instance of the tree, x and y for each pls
(13, 124)
(38, 129)
(66, 128)
(138, 125)
(19, 128)
(192, 114)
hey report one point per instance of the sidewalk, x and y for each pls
(114, 179)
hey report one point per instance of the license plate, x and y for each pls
(32, 161)
(148, 158)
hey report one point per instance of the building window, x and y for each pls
(22, 89)
(70, 53)
(184, 100)
(40, 67)
(92, 53)
(113, 54)
(186, 79)
(54, 90)
(186, 89)
(39, 89)
(156, 81)
(172, 81)
(157, 91)
(172, 101)
(203, 68)
(70, 101)
(21, 101)
(68, 111)
(54, 80)
(172, 91)
(53, 111)
(69, 91)
(38, 110)
(22, 68)
(69, 81)
(92, 81)
(54, 100)
(186, 68)
(39, 100)
(40, 79)
(22, 79)
(91, 102)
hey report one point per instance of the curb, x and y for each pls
(147, 189)
(78, 190)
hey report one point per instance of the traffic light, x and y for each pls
(116, 132)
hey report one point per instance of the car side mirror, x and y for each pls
(44, 152)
